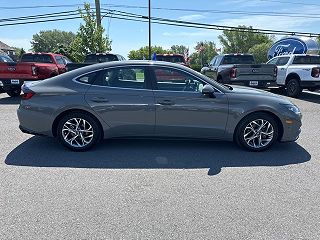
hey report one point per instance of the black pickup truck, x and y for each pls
(241, 69)
(95, 58)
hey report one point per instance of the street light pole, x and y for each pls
(98, 13)
(149, 29)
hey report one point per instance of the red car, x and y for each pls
(31, 67)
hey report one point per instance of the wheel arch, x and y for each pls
(274, 116)
(293, 76)
(62, 114)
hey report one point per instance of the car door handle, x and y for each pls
(99, 99)
(166, 102)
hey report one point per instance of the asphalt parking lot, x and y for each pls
(143, 189)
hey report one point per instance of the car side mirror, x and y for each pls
(208, 90)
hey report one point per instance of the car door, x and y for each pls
(181, 108)
(124, 100)
(282, 69)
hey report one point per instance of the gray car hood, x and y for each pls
(258, 92)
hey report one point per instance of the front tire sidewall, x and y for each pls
(240, 130)
(96, 131)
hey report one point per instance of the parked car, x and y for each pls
(297, 72)
(83, 106)
(31, 67)
(241, 69)
(174, 58)
(3, 59)
(95, 58)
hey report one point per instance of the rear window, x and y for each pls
(238, 59)
(40, 58)
(173, 59)
(100, 58)
(306, 60)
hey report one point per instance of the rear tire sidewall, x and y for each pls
(293, 83)
(240, 129)
(93, 122)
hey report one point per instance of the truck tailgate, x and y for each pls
(255, 72)
(17, 71)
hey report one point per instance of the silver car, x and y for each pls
(153, 99)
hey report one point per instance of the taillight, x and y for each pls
(315, 72)
(34, 70)
(275, 72)
(233, 73)
(27, 95)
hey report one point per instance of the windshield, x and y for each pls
(101, 58)
(238, 59)
(173, 59)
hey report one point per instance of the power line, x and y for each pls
(164, 21)
(293, 3)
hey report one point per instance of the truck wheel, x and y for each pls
(14, 92)
(293, 88)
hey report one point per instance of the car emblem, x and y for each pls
(11, 68)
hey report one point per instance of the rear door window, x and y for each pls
(306, 60)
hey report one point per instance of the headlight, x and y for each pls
(292, 108)
(1, 84)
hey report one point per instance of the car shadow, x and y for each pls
(153, 154)
(9, 100)
(308, 96)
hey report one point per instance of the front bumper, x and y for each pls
(291, 131)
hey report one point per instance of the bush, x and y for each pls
(196, 67)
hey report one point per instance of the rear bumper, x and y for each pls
(7, 85)
(254, 83)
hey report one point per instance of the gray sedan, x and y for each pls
(153, 99)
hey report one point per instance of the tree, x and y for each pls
(89, 38)
(178, 49)
(143, 52)
(260, 52)
(50, 40)
(205, 51)
(241, 41)
(19, 52)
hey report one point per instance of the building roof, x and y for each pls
(5, 46)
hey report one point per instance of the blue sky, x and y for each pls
(127, 35)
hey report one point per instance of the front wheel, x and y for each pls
(293, 88)
(257, 132)
(78, 131)
(14, 92)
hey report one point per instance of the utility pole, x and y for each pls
(98, 13)
(149, 29)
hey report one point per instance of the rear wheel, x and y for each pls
(293, 88)
(257, 132)
(78, 131)
(14, 92)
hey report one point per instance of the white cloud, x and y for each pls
(192, 17)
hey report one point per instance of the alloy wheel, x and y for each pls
(77, 132)
(258, 133)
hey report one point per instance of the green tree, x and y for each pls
(241, 41)
(50, 40)
(89, 38)
(205, 51)
(260, 52)
(19, 52)
(143, 52)
(178, 49)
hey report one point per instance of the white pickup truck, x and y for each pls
(297, 72)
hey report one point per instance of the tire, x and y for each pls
(14, 92)
(293, 88)
(249, 139)
(81, 138)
